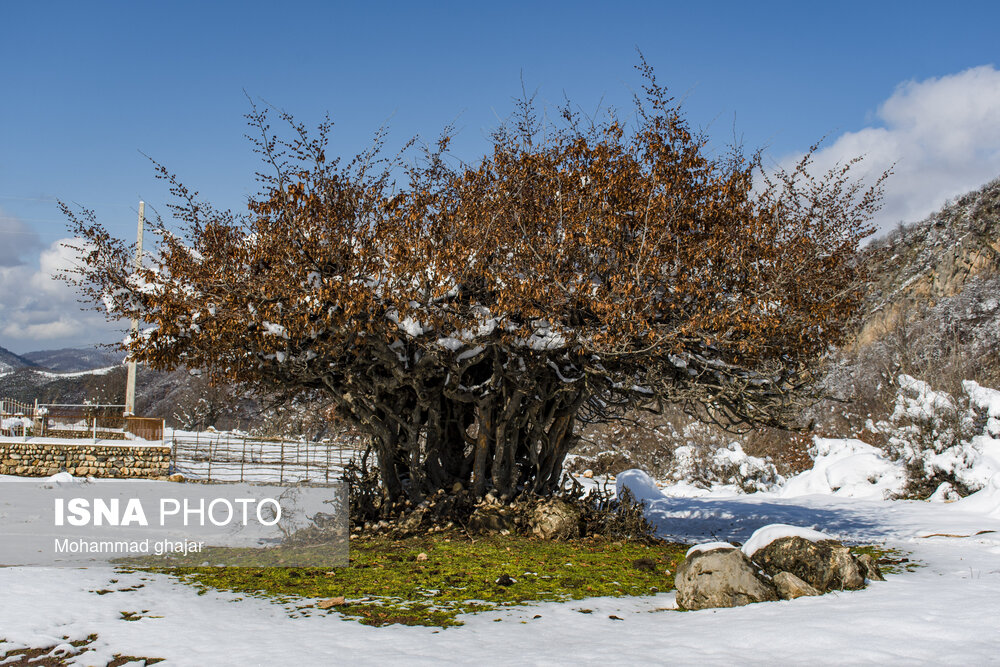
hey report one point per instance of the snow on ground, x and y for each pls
(76, 374)
(944, 611)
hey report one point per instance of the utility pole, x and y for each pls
(130, 382)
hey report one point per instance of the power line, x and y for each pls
(31, 233)
(55, 200)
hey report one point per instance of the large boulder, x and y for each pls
(721, 577)
(555, 519)
(825, 564)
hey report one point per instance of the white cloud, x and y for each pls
(16, 241)
(39, 311)
(943, 134)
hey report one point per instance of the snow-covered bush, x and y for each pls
(726, 466)
(943, 438)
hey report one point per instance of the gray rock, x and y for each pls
(490, 518)
(555, 519)
(790, 587)
(869, 568)
(826, 565)
(720, 578)
(415, 519)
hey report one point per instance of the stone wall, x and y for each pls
(36, 458)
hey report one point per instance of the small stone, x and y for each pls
(176, 477)
(457, 487)
(421, 557)
(644, 564)
(588, 473)
(869, 568)
(331, 602)
(790, 587)
(505, 580)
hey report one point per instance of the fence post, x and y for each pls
(208, 474)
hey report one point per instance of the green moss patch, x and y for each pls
(432, 580)
(890, 561)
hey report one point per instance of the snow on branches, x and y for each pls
(468, 316)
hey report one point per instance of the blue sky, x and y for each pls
(86, 86)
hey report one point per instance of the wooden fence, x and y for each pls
(145, 428)
(229, 457)
(17, 418)
(71, 420)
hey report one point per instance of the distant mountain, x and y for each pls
(73, 359)
(11, 362)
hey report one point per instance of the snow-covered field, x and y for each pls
(945, 611)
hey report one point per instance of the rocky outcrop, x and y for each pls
(720, 578)
(933, 259)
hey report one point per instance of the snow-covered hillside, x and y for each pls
(11, 362)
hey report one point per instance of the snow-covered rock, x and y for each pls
(63, 478)
(641, 486)
(708, 546)
(763, 536)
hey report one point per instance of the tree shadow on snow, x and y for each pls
(735, 519)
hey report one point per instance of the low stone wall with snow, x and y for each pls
(36, 458)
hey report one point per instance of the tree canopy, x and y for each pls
(469, 316)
